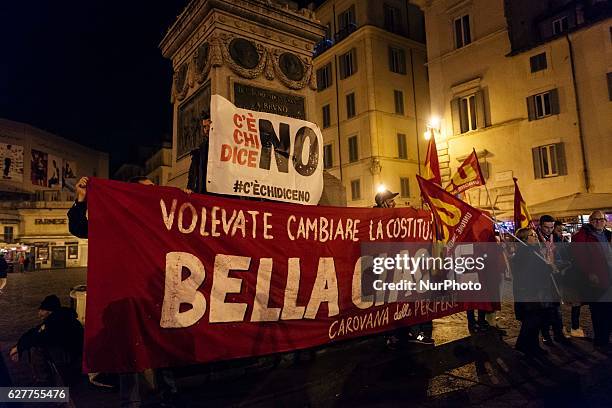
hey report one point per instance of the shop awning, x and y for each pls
(573, 205)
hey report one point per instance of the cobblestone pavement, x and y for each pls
(480, 370)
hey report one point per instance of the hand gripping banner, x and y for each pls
(178, 279)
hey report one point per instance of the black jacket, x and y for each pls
(532, 285)
(77, 219)
(196, 180)
(3, 267)
(60, 331)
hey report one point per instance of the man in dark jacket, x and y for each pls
(196, 181)
(55, 344)
(592, 253)
(553, 313)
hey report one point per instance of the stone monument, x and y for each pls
(255, 53)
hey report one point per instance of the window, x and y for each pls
(328, 159)
(350, 105)
(549, 161)
(402, 149)
(398, 97)
(324, 77)
(538, 62)
(468, 112)
(543, 104)
(462, 31)
(609, 75)
(467, 108)
(397, 60)
(347, 18)
(355, 190)
(326, 116)
(8, 235)
(348, 64)
(404, 187)
(391, 18)
(559, 25)
(353, 149)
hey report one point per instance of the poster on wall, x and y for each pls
(73, 252)
(11, 162)
(189, 134)
(38, 168)
(53, 171)
(68, 175)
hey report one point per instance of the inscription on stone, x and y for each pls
(263, 100)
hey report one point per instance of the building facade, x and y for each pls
(158, 167)
(39, 172)
(372, 96)
(528, 85)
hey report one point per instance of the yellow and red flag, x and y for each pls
(468, 175)
(455, 218)
(432, 165)
(522, 218)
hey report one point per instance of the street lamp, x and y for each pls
(433, 128)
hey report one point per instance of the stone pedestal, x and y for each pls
(257, 54)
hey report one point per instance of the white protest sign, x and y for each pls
(258, 154)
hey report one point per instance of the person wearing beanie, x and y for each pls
(54, 346)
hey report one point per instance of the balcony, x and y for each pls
(326, 43)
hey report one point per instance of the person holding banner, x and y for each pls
(129, 383)
(196, 181)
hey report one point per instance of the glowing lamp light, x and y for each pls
(381, 188)
(427, 134)
(434, 122)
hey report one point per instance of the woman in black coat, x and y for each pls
(532, 289)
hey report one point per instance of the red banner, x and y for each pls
(177, 279)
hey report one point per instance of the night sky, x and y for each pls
(89, 70)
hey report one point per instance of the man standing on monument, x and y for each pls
(196, 181)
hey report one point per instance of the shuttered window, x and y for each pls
(326, 116)
(324, 77)
(549, 161)
(398, 97)
(404, 187)
(402, 148)
(468, 113)
(355, 190)
(350, 105)
(348, 64)
(543, 104)
(328, 159)
(353, 149)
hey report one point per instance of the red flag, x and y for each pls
(432, 165)
(461, 222)
(522, 218)
(468, 175)
(454, 216)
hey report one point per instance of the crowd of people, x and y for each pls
(540, 264)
